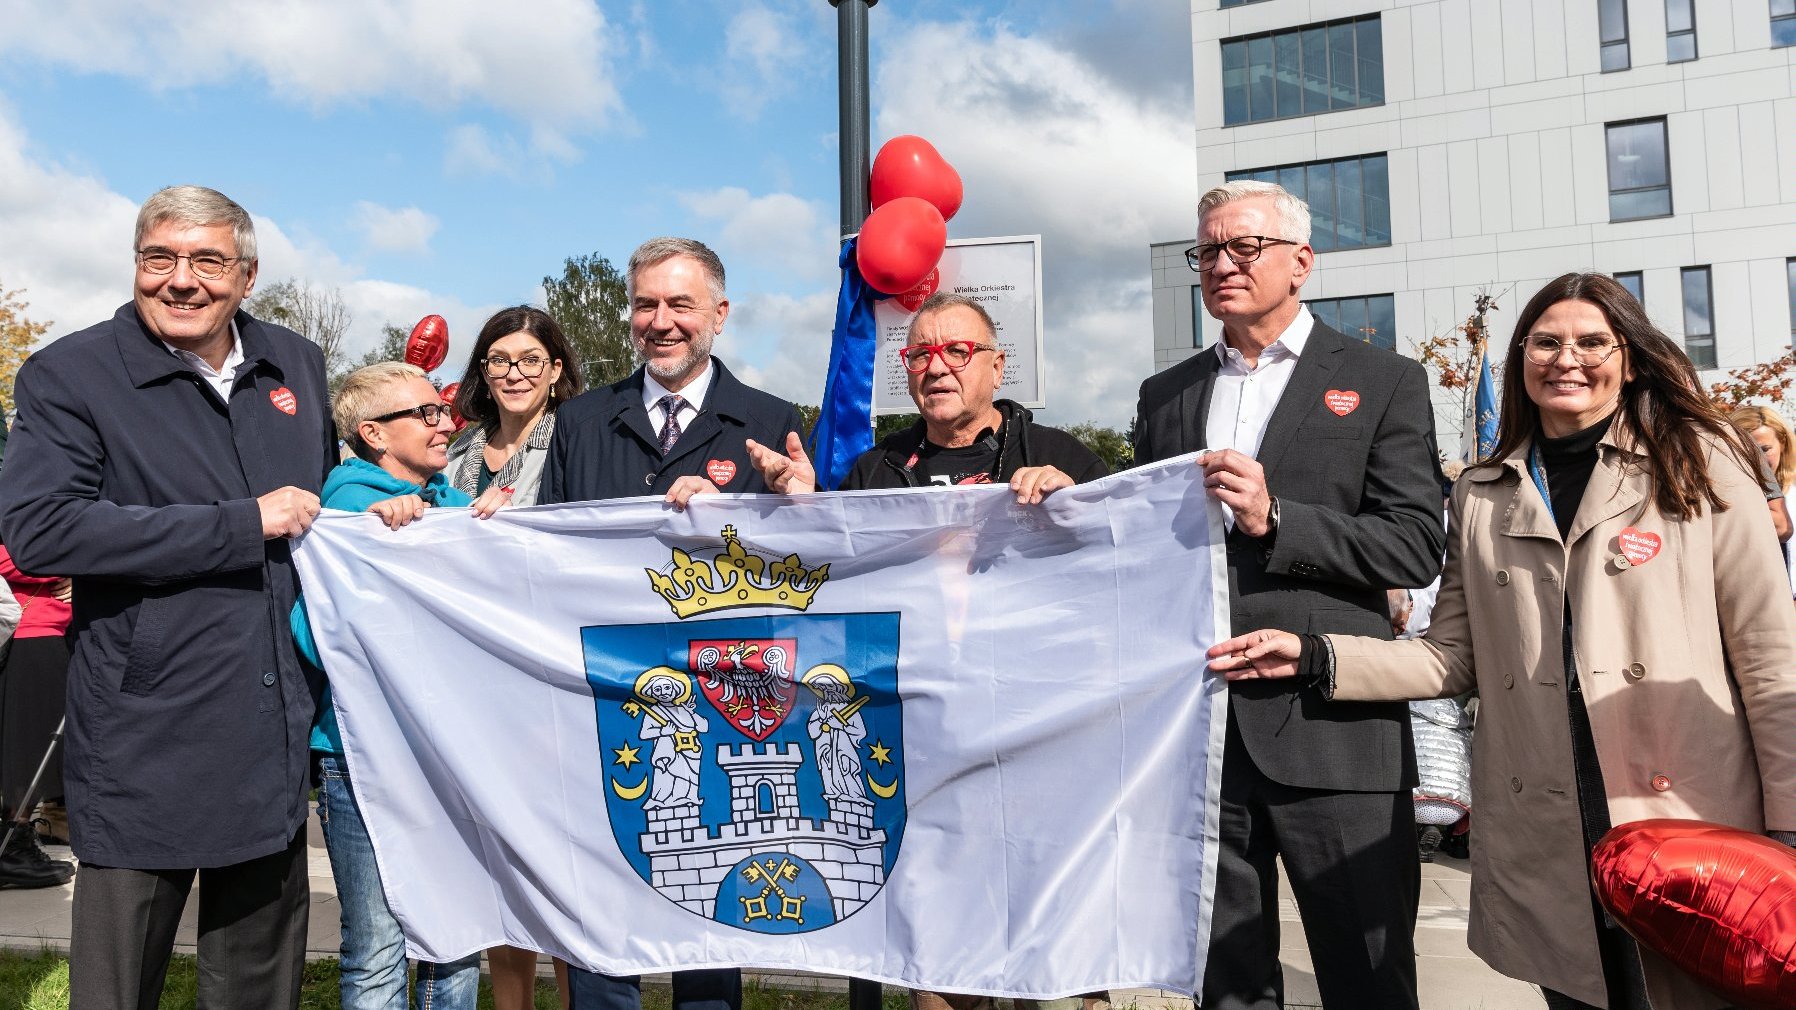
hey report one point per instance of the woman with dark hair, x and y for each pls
(1614, 594)
(522, 366)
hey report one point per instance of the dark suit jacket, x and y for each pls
(604, 446)
(1360, 511)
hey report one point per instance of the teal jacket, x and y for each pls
(352, 487)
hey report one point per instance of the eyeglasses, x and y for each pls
(954, 353)
(1243, 250)
(498, 366)
(429, 413)
(1586, 351)
(207, 266)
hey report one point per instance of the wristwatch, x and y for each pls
(1271, 522)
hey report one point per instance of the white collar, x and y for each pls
(694, 393)
(233, 357)
(1291, 342)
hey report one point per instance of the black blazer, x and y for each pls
(1359, 512)
(604, 446)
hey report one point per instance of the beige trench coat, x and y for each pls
(1688, 665)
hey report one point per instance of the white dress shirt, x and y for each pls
(694, 394)
(1242, 398)
(221, 378)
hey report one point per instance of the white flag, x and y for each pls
(928, 737)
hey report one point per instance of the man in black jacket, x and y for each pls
(964, 436)
(1322, 449)
(676, 427)
(163, 459)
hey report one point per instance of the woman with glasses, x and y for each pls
(521, 368)
(1614, 594)
(399, 429)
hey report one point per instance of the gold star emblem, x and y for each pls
(880, 753)
(626, 756)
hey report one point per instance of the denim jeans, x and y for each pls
(373, 948)
(706, 989)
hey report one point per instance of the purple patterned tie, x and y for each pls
(670, 429)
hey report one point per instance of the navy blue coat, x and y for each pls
(188, 712)
(604, 446)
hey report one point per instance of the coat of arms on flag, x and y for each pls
(754, 765)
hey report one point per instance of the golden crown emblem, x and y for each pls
(736, 578)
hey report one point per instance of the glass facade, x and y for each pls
(1783, 23)
(1303, 71)
(1372, 318)
(1612, 29)
(1349, 198)
(1197, 315)
(1635, 283)
(1639, 172)
(1680, 30)
(1699, 317)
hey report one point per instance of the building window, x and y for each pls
(1612, 26)
(1635, 282)
(1783, 23)
(1639, 173)
(1790, 270)
(1349, 198)
(1699, 318)
(1303, 71)
(1372, 318)
(1197, 315)
(1680, 30)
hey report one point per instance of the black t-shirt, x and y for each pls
(972, 464)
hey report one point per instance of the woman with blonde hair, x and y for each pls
(1769, 432)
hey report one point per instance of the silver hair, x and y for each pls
(1293, 214)
(942, 301)
(361, 398)
(197, 205)
(660, 250)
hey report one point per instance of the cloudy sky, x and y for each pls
(439, 156)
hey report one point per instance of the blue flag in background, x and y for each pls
(1484, 408)
(844, 426)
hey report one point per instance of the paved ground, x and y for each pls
(1450, 978)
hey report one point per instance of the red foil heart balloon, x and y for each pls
(429, 343)
(448, 394)
(1718, 902)
(911, 166)
(900, 244)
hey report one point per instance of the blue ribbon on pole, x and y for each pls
(844, 428)
(1486, 416)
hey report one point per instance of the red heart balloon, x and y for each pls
(913, 299)
(448, 394)
(1718, 902)
(911, 166)
(429, 343)
(900, 244)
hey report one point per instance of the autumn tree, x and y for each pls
(1452, 358)
(1766, 382)
(17, 335)
(315, 312)
(589, 303)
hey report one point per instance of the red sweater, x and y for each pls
(45, 615)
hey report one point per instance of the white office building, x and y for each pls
(1448, 147)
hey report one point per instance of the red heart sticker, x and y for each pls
(1341, 401)
(1639, 546)
(721, 471)
(285, 400)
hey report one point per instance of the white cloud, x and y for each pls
(1047, 143)
(780, 343)
(69, 247)
(777, 230)
(389, 229)
(763, 54)
(546, 63)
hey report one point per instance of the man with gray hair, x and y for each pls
(163, 459)
(676, 427)
(1321, 449)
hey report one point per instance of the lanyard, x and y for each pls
(1539, 473)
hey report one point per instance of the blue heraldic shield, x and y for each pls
(754, 766)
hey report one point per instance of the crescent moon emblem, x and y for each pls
(883, 792)
(635, 792)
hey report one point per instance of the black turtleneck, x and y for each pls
(1569, 462)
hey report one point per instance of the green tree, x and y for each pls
(589, 302)
(17, 335)
(1114, 447)
(315, 312)
(390, 348)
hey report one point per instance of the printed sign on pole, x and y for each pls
(1004, 276)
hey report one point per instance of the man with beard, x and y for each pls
(678, 426)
